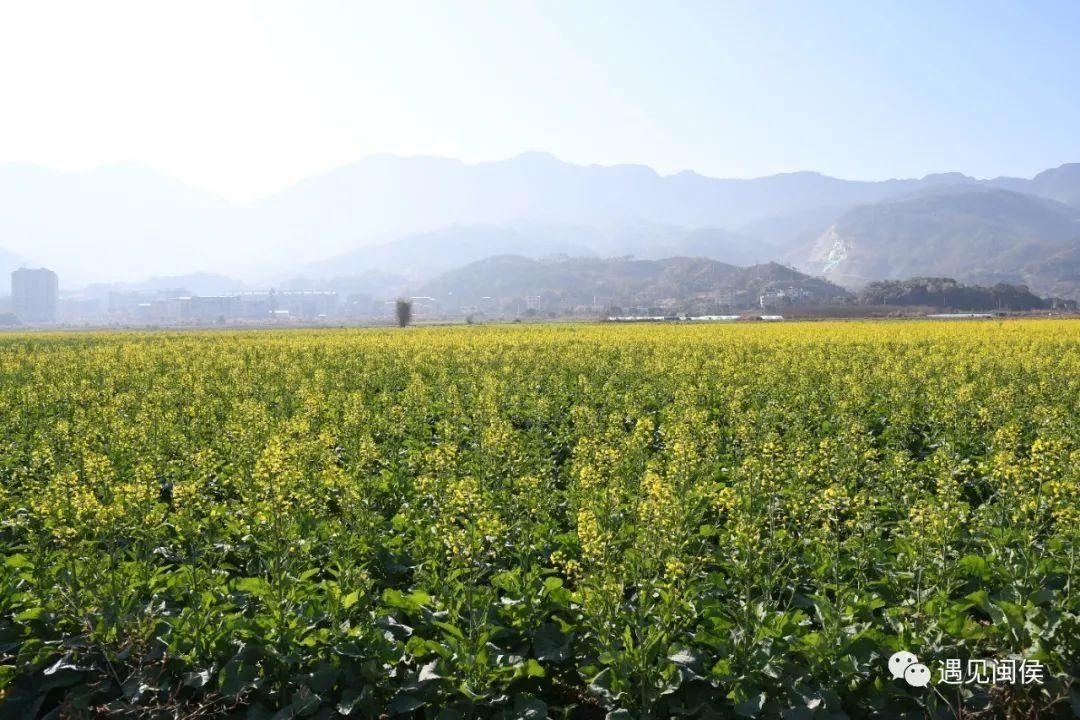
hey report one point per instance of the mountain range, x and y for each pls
(980, 235)
(419, 256)
(416, 217)
(674, 283)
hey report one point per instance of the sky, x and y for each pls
(246, 98)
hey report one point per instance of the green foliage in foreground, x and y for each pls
(565, 522)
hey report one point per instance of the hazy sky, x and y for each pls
(245, 98)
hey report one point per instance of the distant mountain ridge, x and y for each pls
(114, 223)
(423, 255)
(676, 282)
(195, 283)
(975, 234)
(413, 216)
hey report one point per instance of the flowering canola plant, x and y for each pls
(567, 521)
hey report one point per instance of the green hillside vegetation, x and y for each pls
(422, 256)
(1057, 274)
(678, 283)
(948, 293)
(976, 236)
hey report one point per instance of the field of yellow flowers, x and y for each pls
(581, 521)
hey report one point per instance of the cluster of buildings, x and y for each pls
(36, 300)
(779, 297)
(178, 306)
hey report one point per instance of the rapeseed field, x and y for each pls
(579, 521)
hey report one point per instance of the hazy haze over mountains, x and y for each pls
(619, 281)
(418, 216)
(983, 235)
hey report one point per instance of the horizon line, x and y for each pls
(543, 154)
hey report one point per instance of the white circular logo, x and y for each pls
(917, 675)
(899, 662)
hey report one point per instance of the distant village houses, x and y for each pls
(179, 306)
